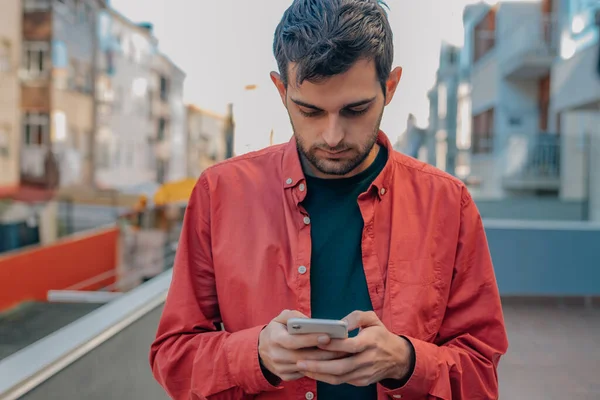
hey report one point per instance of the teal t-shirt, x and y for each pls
(337, 277)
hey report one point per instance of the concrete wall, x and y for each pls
(10, 125)
(532, 208)
(545, 259)
(485, 83)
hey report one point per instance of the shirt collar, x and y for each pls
(293, 174)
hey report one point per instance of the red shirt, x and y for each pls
(244, 256)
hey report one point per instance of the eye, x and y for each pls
(353, 112)
(309, 114)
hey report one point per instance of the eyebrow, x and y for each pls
(350, 105)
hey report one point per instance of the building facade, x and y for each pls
(205, 140)
(168, 119)
(575, 102)
(10, 93)
(443, 99)
(514, 149)
(124, 150)
(57, 91)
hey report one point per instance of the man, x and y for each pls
(334, 224)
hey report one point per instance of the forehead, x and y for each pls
(358, 83)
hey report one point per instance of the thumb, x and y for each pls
(287, 314)
(361, 319)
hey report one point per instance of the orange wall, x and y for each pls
(29, 274)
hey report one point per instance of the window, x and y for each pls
(162, 129)
(36, 127)
(4, 140)
(164, 88)
(485, 35)
(482, 141)
(4, 55)
(36, 59)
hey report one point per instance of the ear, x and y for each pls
(392, 84)
(276, 78)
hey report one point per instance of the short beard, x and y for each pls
(351, 165)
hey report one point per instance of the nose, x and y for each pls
(334, 132)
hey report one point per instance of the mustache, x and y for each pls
(338, 148)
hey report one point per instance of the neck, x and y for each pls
(310, 170)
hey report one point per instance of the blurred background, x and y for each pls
(109, 112)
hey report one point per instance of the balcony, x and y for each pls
(533, 163)
(529, 48)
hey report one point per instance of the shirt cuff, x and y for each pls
(244, 366)
(424, 374)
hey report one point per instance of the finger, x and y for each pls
(338, 367)
(287, 314)
(291, 377)
(296, 342)
(318, 355)
(361, 319)
(353, 345)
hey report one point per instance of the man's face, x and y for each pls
(336, 121)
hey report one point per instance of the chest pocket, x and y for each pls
(413, 298)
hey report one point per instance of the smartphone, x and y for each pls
(335, 329)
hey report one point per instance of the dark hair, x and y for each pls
(326, 37)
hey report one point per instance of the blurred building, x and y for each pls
(514, 151)
(168, 119)
(528, 106)
(205, 140)
(413, 141)
(443, 99)
(10, 94)
(124, 155)
(575, 103)
(57, 92)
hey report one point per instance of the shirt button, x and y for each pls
(302, 270)
(306, 221)
(309, 396)
(382, 191)
(289, 181)
(397, 396)
(302, 187)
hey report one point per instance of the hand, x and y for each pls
(280, 352)
(377, 355)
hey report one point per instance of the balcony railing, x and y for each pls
(533, 163)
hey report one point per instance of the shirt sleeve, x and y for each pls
(190, 357)
(462, 362)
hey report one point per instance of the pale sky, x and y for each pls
(224, 45)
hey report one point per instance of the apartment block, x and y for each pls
(205, 139)
(575, 103)
(57, 91)
(168, 119)
(10, 93)
(441, 144)
(514, 150)
(124, 149)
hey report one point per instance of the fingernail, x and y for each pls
(323, 339)
(301, 365)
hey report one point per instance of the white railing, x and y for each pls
(534, 157)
